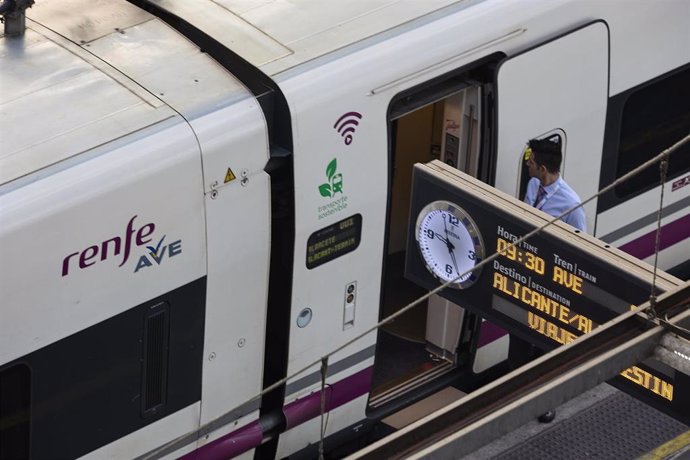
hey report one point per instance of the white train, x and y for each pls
(199, 198)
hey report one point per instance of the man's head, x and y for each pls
(545, 160)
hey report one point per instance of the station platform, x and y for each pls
(603, 423)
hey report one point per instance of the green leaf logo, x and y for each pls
(335, 180)
(330, 169)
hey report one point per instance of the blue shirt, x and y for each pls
(559, 198)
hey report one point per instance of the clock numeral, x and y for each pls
(452, 220)
(449, 269)
(430, 233)
(471, 255)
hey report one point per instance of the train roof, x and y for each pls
(143, 72)
(277, 35)
(87, 73)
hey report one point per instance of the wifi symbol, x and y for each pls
(346, 125)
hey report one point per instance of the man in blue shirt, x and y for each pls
(546, 189)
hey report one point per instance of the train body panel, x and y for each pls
(238, 232)
(135, 137)
(96, 238)
(566, 99)
(151, 436)
(75, 250)
(637, 237)
(153, 154)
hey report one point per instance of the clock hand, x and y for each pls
(455, 263)
(440, 237)
(450, 245)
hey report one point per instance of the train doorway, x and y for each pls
(434, 338)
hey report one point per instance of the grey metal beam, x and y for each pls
(543, 384)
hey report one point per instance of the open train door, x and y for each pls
(558, 87)
(558, 90)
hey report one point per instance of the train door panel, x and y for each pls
(459, 148)
(238, 227)
(562, 84)
(424, 344)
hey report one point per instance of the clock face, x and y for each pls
(450, 243)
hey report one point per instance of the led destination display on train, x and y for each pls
(546, 290)
(334, 241)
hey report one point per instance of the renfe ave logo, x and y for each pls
(123, 246)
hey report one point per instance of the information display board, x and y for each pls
(548, 290)
(334, 241)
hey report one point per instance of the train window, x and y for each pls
(654, 118)
(15, 400)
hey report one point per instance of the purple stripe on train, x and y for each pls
(296, 413)
(488, 333)
(337, 394)
(230, 445)
(672, 233)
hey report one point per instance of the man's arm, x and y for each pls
(531, 193)
(577, 219)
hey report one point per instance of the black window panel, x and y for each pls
(654, 118)
(15, 413)
(640, 124)
(117, 376)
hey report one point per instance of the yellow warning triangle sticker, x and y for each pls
(229, 176)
